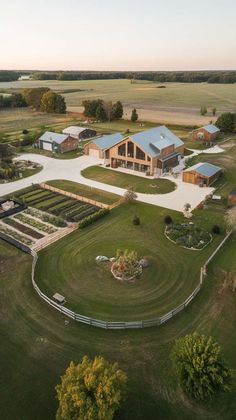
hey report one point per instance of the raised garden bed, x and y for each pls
(188, 235)
(45, 217)
(15, 235)
(22, 228)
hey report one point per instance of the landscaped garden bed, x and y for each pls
(126, 266)
(188, 235)
(45, 217)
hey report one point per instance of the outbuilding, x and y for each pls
(202, 174)
(232, 197)
(79, 133)
(57, 143)
(208, 133)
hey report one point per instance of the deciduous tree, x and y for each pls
(91, 390)
(52, 102)
(226, 122)
(200, 367)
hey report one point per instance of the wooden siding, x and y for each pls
(206, 135)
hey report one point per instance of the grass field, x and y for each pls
(85, 191)
(122, 180)
(179, 103)
(89, 287)
(37, 346)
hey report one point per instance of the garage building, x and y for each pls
(202, 174)
(208, 133)
(97, 147)
(57, 143)
(79, 133)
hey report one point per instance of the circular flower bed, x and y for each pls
(188, 235)
(126, 266)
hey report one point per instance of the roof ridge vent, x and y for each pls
(162, 136)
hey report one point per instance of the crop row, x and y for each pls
(35, 223)
(22, 228)
(16, 235)
(45, 217)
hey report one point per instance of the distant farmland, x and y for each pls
(178, 103)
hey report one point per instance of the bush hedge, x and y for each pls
(95, 216)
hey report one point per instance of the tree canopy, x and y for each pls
(134, 115)
(91, 390)
(200, 367)
(101, 110)
(33, 96)
(226, 122)
(52, 102)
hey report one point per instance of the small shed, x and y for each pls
(208, 133)
(59, 298)
(232, 197)
(96, 148)
(202, 174)
(57, 142)
(79, 133)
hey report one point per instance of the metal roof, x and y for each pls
(74, 129)
(205, 169)
(105, 142)
(211, 128)
(156, 139)
(51, 137)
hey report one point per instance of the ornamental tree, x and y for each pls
(91, 390)
(200, 368)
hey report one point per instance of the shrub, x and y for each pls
(136, 220)
(25, 131)
(199, 366)
(168, 220)
(216, 229)
(95, 216)
(130, 194)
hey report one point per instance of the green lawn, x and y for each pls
(122, 180)
(37, 346)
(89, 287)
(85, 191)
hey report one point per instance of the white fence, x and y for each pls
(114, 325)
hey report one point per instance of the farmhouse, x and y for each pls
(232, 197)
(153, 151)
(202, 174)
(207, 133)
(58, 143)
(79, 133)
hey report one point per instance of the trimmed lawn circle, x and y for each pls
(123, 180)
(69, 267)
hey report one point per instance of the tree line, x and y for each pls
(103, 110)
(156, 76)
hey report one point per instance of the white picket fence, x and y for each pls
(113, 325)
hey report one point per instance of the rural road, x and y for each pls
(71, 170)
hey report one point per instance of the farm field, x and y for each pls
(123, 180)
(89, 287)
(178, 103)
(40, 345)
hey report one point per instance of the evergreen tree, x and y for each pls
(134, 115)
(101, 113)
(117, 111)
(226, 122)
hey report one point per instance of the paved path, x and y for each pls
(70, 170)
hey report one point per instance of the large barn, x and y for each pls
(202, 174)
(208, 133)
(56, 142)
(153, 151)
(79, 133)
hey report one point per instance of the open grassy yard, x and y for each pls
(89, 287)
(37, 346)
(178, 103)
(123, 180)
(88, 192)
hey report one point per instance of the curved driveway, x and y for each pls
(71, 170)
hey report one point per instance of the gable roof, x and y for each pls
(105, 142)
(205, 169)
(153, 141)
(74, 129)
(211, 128)
(51, 137)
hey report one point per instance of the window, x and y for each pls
(140, 154)
(148, 158)
(121, 150)
(130, 149)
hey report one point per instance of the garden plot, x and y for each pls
(57, 205)
(188, 235)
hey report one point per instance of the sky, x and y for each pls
(118, 35)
